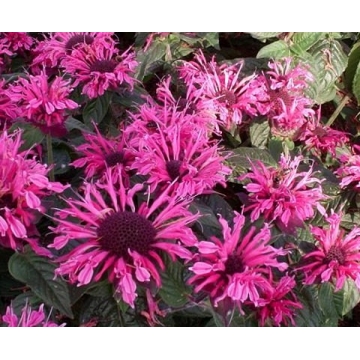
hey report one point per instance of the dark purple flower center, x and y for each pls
(335, 253)
(103, 66)
(227, 97)
(173, 168)
(78, 39)
(276, 96)
(121, 231)
(114, 158)
(233, 265)
(7, 201)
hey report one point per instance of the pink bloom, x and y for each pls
(283, 194)
(337, 256)
(98, 69)
(237, 268)
(23, 184)
(280, 304)
(7, 107)
(117, 235)
(28, 318)
(16, 40)
(4, 53)
(178, 152)
(100, 152)
(286, 106)
(349, 171)
(51, 51)
(322, 139)
(42, 102)
(221, 90)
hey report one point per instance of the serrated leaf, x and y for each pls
(353, 62)
(72, 123)
(38, 273)
(304, 40)
(275, 50)
(356, 84)
(350, 297)
(348, 221)
(241, 158)
(262, 36)
(95, 110)
(174, 290)
(219, 206)
(147, 59)
(208, 224)
(327, 62)
(259, 133)
(21, 300)
(31, 135)
(310, 315)
(327, 304)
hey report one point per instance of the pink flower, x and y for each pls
(23, 184)
(322, 139)
(117, 235)
(178, 152)
(283, 194)
(4, 53)
(237, 268)
(28, 318)
(221, 90)
(98, 69)
(286, 106)
(349, 171)
(51, 51)
(42, 102)
(100, 152)
(280, 304)
(16, 40)
(337, 256)
(7, 107)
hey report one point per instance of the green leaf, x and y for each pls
(275, 50)
(21, 300)
(350, 220)
(276, 148)
(31, 135)
(353, 62)
(262, 36)
(95, 110)
(241, 158)
(174, 290)
(327, 62)
(72, 123)
(62, 160)
(304, 40)
(259, 133)
(208, 224)
(327, 304)
(218, 205)
(356, 84)
(210, 39)
(350, 297)
(38, 273)
(310, 315)
(149, 59)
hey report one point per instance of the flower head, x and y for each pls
(284, 194)
(7, 107)
(286, 104)
(16, 40)
(221, 89)
(54, 49)
(28, 318)
(43, 102)
(280, 304)
(23, 184)
(237, 268)
(118, 237)
(179, 152)
(336, 257)
(99, 68)
(100, 152)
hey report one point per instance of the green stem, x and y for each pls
(338, 110)
(50, 156)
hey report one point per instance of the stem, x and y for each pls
(338, 110)
(50, 157)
